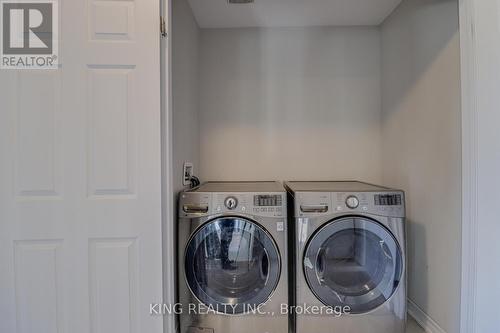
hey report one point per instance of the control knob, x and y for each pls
(231, 203)
(352, 202)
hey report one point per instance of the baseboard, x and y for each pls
(423, 319)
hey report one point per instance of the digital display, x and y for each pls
(267, 200)
(388, 200)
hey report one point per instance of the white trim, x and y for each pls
(168, 208)
(469, 167)
(426, 322)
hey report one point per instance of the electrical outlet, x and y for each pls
(187, 173)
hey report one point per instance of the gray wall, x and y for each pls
(290, 103)
(422, 147)
(185, 75)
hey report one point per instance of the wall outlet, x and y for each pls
(187, 173)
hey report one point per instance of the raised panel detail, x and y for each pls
(112, 20)
(113, 275)
(111, 131)
(38, 104)
(38, 284)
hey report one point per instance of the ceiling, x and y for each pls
(285, 13)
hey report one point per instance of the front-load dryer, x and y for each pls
(232, 258)
(349, 257)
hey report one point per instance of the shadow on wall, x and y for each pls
(417, 268)
(414, 37)
(422, 126)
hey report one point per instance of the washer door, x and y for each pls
(232, 265)
(355, 262)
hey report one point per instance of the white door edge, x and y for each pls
(168, 197)
(469, 167)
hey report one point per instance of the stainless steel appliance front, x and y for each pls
(349, 256)
(232, 258)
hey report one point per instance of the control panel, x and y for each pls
(385, 204)
(264, 205)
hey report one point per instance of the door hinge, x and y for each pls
(163, 28)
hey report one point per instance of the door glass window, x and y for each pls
(232, 264)
(353, 262)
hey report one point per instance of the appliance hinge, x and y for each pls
(163, 28)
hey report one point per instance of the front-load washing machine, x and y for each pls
(232, 258)
(349, 257)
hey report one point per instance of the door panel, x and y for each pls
(113, 293)
(232, 261)
(112, 140)
(353, 262)
(38, 297)
(80, 200)
(37, 134)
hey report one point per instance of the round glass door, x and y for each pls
(355, 262)
(232, 265)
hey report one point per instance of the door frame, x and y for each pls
(168, 197)
(469, 168)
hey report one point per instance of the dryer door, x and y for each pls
(355, 262)
(232, 265)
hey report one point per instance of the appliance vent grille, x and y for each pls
(240, 1)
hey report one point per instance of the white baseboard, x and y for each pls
(423, 319)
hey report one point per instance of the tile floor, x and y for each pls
(413, 326)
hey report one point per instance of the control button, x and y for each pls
(365, 208)
(243, 208)
(219, 208)
(352, 202)
(339, 208)
(231, 203)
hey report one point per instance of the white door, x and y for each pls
(80, 200)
